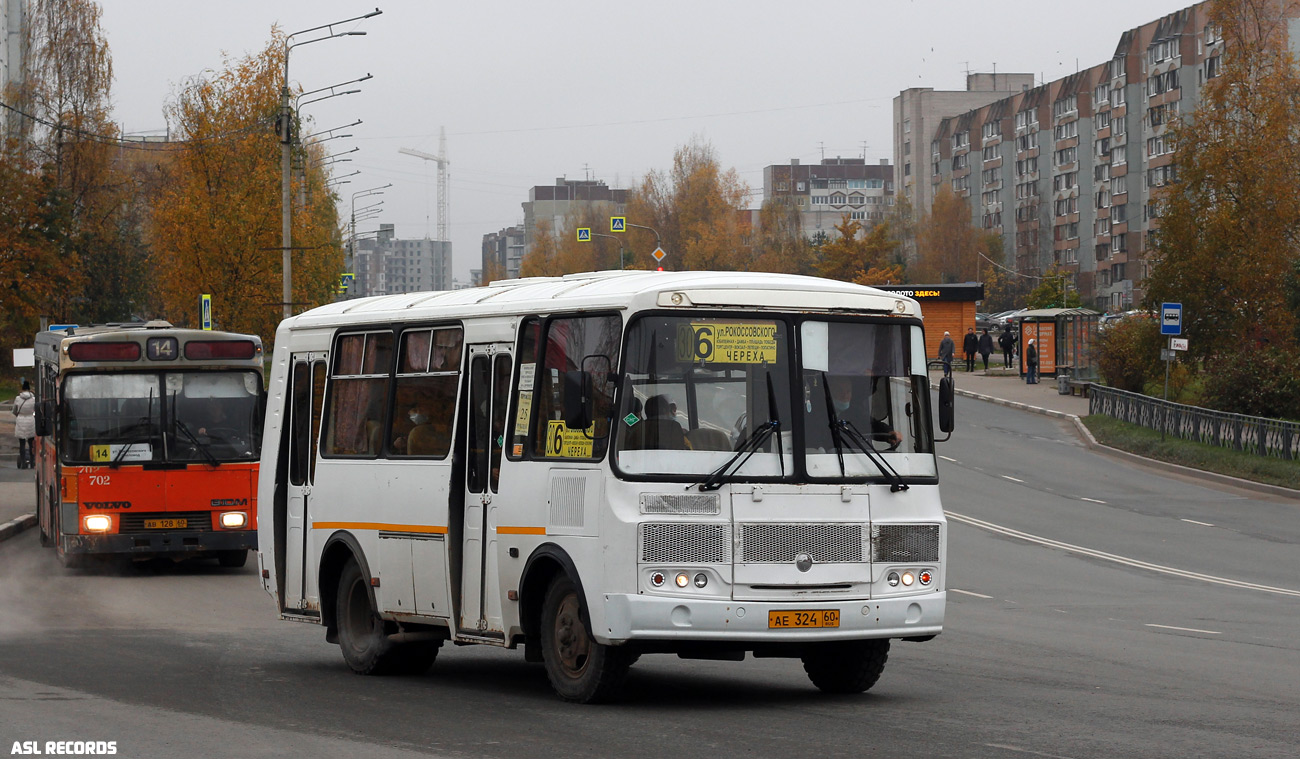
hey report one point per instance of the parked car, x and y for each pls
(1007, 318)
(983, 321)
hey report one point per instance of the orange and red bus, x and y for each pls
(148, 440)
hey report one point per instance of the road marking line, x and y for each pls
(1025, 751)
(1094, 500)
(1009, 477)
(1186, 629)
(991, 527)
(945, 458)
(968, 593)
(1203, 524)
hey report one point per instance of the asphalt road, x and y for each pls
(1097, 610)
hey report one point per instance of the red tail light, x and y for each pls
(238, 349)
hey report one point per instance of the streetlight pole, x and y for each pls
(618, 240)
(286, 149)
(658, 243)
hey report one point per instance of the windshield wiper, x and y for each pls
(842, 429)
(147, 422)
(751, 445)
(198, 445)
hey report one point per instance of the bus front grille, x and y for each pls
(777, 543)
(904, 543)
(687, 543)
(195, 521)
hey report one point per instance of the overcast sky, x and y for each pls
(529, 91)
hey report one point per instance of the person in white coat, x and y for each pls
(25, 426)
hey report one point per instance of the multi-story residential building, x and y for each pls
(918, 111)
(553, 203)
(823, 193)
(13, 23)
(503, 252)
(385, 265)
(1069, 172)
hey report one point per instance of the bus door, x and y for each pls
(307, 392)
(489, 389)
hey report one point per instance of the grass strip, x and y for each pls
(1211, 458)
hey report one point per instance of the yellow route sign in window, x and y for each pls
(566, 443)
(727, 342)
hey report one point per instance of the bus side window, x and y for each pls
(424, 402)
(569, 344)
(525, 379)
(299, 410)
(359, 394)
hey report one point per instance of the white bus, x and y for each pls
(606, 465)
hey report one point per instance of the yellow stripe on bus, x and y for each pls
(422, 528)
(521, 530)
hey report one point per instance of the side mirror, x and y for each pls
(947, 400)
(577, 400)
(44, 417)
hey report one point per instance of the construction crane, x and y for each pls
(442, 161)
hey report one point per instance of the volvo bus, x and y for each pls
(602, 466)
(148, 441)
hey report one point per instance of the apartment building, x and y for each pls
(503, 251)
(13, 23)
(385, 265)
(553, 204)
(824, 192)
(1069, 172)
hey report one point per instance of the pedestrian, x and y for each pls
(946, 348)
(1031, 363)
(25, 426)
(1007, 342)
(986, 347)
(969, 345)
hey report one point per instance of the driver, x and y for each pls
(859, 415)
(212, 416)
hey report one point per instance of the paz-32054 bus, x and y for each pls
(606, 465)
(148, 444)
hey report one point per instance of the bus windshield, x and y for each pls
(210, 416)
(698, 390)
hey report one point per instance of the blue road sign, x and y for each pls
(205, 310)
(584, 234)
(618, 223)
(1171, 318)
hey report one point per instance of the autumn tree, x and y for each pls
(864, 257)
(32, 273)
(698, 208)
(1230, 225)
(947, 241)
(92, 206)
(1053, 291)
(778, 243)
(216, 226)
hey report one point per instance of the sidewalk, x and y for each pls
(1010, 389)
(17, 488)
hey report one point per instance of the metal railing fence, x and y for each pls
(1254, 434)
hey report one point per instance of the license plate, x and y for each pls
(165, 524)
(819, 618)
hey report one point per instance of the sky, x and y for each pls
(530, 91)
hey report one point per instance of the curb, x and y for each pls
(1091, 442)
(12, 528)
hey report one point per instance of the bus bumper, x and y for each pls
(156, 543)
(641, 617)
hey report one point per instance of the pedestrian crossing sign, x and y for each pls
(584, 234)
(618, 223)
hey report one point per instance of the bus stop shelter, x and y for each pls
(1064, 338)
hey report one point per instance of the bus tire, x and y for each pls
(362, 637)
(848, 666)
(233, 559)
(580, 669)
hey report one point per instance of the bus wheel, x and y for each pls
(848, 666)
(579, 668)
(233, 559)
(362, 637)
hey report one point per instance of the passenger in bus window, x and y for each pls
(660, 429)
(849, 407)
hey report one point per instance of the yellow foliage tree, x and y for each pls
(946, 242)
(216, 228)
(862, 258)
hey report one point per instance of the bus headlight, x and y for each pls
(682, 579)
(233, 520)
(892, 579)
(908, 579)
(98, 523)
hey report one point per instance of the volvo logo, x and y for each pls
(803, 562)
